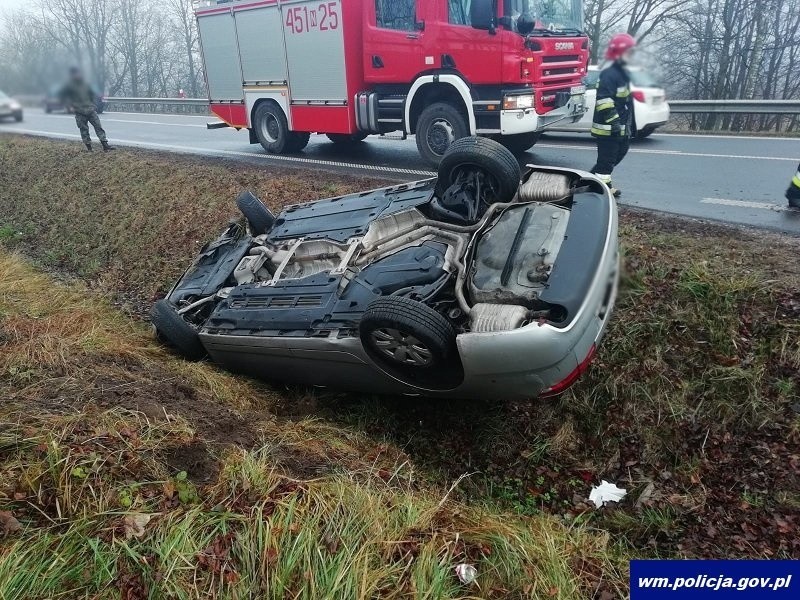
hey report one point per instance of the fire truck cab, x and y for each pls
(439, 69)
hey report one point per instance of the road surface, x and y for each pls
(738, 180)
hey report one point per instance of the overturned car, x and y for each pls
(476, 284)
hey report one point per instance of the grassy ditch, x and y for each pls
(110, 489)
(693, 404)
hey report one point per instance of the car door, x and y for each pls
(393, 39)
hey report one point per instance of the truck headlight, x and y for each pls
(517, 102)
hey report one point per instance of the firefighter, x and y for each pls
(793, 193)
(612, 113)
(79, 97)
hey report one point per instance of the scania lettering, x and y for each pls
(437, 69)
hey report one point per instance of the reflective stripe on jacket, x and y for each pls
(612, 110)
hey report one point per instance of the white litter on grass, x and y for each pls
(466, 573)
(606, 492)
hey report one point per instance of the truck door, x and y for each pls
(474, 53)
(393, 37)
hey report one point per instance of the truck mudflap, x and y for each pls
(580, 255)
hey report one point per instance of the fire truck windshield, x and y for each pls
(545, 16)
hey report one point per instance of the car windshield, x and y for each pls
(643, 79)
(551, 15)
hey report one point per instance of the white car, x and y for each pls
(10, 108)
(650, 107)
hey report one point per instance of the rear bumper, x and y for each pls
(651, 117)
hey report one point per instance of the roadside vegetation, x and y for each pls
(145, 472)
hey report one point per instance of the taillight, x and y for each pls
(570, 379)
(638, 95)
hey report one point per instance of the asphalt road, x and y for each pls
(737, 180)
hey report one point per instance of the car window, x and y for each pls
(458, 12)
(395, 14)
(591, 79)
(643, 79)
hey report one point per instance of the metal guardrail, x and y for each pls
(750, 107)
(753, 107)
(170, 101)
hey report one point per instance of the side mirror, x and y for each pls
(482, 15)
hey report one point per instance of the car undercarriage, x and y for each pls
(396, 279)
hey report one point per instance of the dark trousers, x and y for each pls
(610, 152)
(83, 118)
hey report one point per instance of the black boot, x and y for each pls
(106, 147)
(89, 146)
(793, 196)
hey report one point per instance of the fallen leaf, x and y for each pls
(8, 524)
(135, 524)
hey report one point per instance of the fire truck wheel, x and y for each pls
(520, 142)
(298, 141)
(347, 138)
(438, 127)
(272, 128)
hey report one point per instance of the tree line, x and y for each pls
(135, 48)
(700, 49)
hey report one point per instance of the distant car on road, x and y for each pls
(471, 285)
(10, 108)
(650, 107)
(52, 102)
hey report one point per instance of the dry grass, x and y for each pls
(305, 510)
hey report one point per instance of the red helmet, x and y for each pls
(619, 45)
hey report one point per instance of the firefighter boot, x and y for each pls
(89, 147)
(107, 147)
(793, 196)
(607, 180)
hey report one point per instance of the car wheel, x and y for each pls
(258, 215)
(347, 139)
(272, 128)
(645, 133)
(48, 109)
(173, 330)
(408, 339)
(18, 117)
(519, 143)
(438, 127)
(496, 163)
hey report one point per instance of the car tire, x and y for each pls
(173, 330)
(18, 117)
(487, 155)
(347, 139)
(258, 216)
(644, 133)
(438, 127)
(408, 339)
(272, 129)
(48, 109)
(520, 142)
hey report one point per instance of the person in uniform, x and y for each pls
(793, 193)
(612, 112)
(79, 97)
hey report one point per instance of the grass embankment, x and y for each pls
(692, 404)
(132, 501)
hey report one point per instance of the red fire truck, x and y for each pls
(439, 69)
